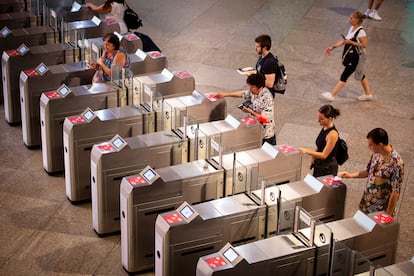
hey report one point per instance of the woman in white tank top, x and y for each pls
(113, 9)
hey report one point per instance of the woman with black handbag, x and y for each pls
(113, 9)
(324, 157)
(354, 42)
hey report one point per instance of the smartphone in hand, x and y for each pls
(343, 37)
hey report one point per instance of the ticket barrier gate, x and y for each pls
(125, 121)
(56, 105)
(24, 58)
(34, 82)
(236, 219)
(159, 149)
(99, 96)
(289, 254)
(143, 197)
(145, 88)
(354, 237)
(281, 163)
(136, 256)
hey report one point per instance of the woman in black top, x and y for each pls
(324, 158)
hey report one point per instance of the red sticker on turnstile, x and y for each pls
(212, 96)
(173, 218)
(31, 73)
(13, 53)
(286, 148)
(331, 181)
(106, 147)
(131, 37)
(248, 121)
(110, 21)
(215, 262)
(383, 218)
(136, 180)
(77, 119)
(52, 95)
(155, 54)
(182, 74)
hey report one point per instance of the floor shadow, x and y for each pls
(408, 64)
(342, 10)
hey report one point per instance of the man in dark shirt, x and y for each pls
(266, 64)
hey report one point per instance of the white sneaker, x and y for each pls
(374, 15)
(364, 97)
(367, 12)
(328, 96)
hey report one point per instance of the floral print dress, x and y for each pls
(384, 177)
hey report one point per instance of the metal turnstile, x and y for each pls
(323, 198)
(288, 254)
(185, 234)
(33, 83)
(281, 164)
(159, 149)
(24, 58)
(235, 220)
(80, 136)
(132, 263)
(54, 107)
(143, 200)
(146, 88)
(125, 121)
(374, 236)
(99, 96)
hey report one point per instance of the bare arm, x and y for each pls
(392, 203)
(270, 80)
(234, 94)
(360, 174)
(331, 140)
(99, 9)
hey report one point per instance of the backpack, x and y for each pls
(281, 81)
(131, 18)
(341, 151)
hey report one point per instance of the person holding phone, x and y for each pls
(112, 52)
(355, 37)
(261, 106)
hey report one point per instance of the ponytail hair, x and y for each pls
(329, 111)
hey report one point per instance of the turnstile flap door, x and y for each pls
(232, 121)
(5, 32)
(114, 145)
(226, 258)
(23, 49)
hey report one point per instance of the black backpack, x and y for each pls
(131, 18)
(341, 151)
(281, 80)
